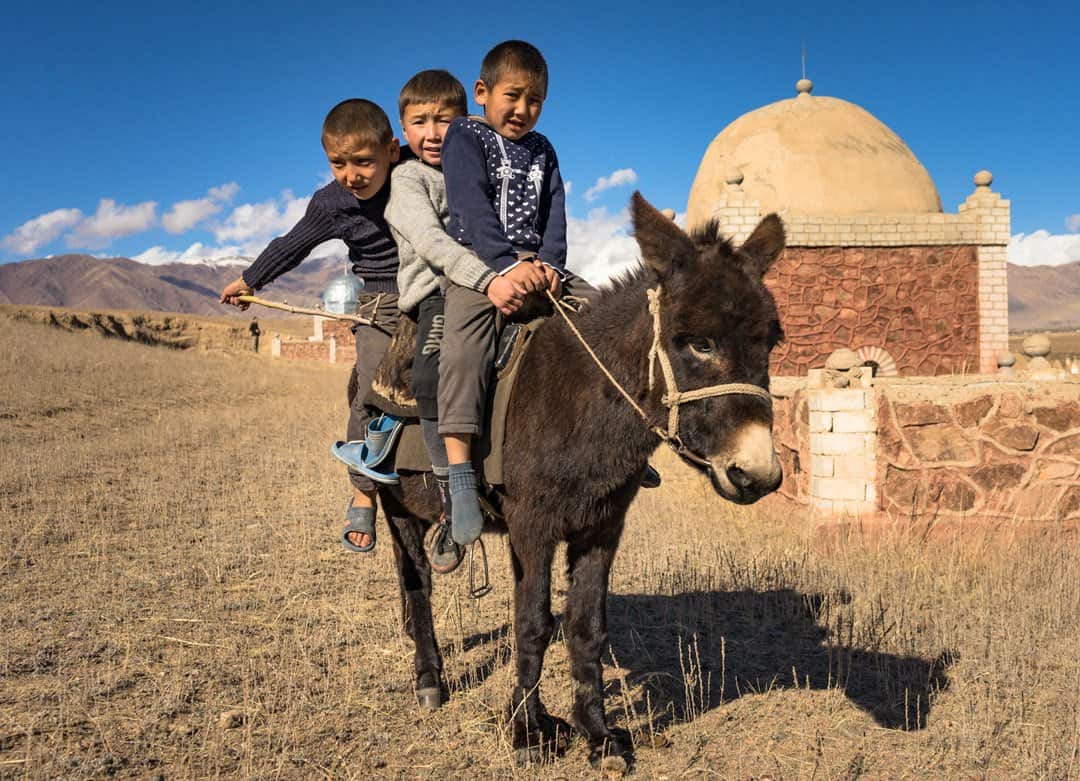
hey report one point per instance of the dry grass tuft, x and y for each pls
(174, 602)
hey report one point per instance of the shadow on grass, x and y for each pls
(697, 650)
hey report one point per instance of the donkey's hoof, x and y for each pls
(528, 756)
(614, 767)
(430, 698)
(612, 757)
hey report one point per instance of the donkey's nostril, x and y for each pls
(738, 477)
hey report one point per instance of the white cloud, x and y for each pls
(111, 221)
(1043, 248)
(225, 192)
(255, 224)
(229, 254)
(567, 187)
(40, 231)
(600, 246)
(619, 178)
(1072, 223)
(196, 253)
(185, 215)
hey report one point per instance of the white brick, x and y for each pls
(858, 467)
(836, 399)
(839, 489)
(838, 444)
(871, 494)
(821, 466)
(852, 422)
(821, 421)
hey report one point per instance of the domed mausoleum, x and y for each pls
(872, 263)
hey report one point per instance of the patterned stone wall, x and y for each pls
(948, 448)
(1007, 450)
(791, 428)
(919, 304)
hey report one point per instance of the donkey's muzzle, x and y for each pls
(750, 470)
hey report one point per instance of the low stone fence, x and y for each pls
(959, 447)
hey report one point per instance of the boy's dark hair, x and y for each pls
(434, 86)
(360, 119)
(517, 56)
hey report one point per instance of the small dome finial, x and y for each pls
(803, 86)
(983, 178)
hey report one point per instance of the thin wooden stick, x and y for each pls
(300, 310)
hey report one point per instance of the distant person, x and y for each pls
(361, 149)
(255, 333)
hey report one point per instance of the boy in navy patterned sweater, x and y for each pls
(507, 203)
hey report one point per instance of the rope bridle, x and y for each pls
(673, 398)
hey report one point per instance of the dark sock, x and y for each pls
(436, 448)
(467, 521)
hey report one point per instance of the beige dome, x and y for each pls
(813, 155)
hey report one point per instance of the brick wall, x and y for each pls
(979, 231)
(919, 304)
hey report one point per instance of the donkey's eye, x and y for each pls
(700, 344)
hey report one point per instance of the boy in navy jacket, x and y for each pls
(507, 203)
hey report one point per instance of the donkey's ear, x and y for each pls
(662, 242)
(764, 245)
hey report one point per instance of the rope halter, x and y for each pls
(673, 398)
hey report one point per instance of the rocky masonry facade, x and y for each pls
(941, 448)
(913, 309)
(942, 284)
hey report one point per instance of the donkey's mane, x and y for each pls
(636, 278)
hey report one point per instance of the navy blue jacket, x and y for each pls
(335, 213)
(504, 196)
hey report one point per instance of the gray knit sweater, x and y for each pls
(417, 215)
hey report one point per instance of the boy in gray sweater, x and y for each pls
(417, 213)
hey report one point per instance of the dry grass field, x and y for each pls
(175, 605)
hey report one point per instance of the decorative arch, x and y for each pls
(878, 357)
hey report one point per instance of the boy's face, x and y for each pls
(512, 106)
(424, 125)
(360, 167)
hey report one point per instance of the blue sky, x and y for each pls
(114, 114)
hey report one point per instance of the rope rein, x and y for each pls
(673, 398)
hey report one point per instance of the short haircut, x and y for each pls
(434, 86)
(360, 119)
(513, 56)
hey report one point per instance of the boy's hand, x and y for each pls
(527, 277)
(554, 281)
(505, 295)
(234, 289)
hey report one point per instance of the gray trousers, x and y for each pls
(470, 338)
(371, 345)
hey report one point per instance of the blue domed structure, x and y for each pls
(342, 294)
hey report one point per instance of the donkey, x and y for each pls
(575, 451)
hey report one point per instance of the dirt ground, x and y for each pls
(174, 604)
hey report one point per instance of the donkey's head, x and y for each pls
(718, 325)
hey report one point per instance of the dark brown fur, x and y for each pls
(575, 451)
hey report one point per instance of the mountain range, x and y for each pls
(1040, 297)
(86, 282)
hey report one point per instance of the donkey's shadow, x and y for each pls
(693, 651)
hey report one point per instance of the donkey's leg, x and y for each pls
(585, 627)
(414, 582)
(535, 733)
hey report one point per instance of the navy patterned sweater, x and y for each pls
(335, 213)
(504, 196)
